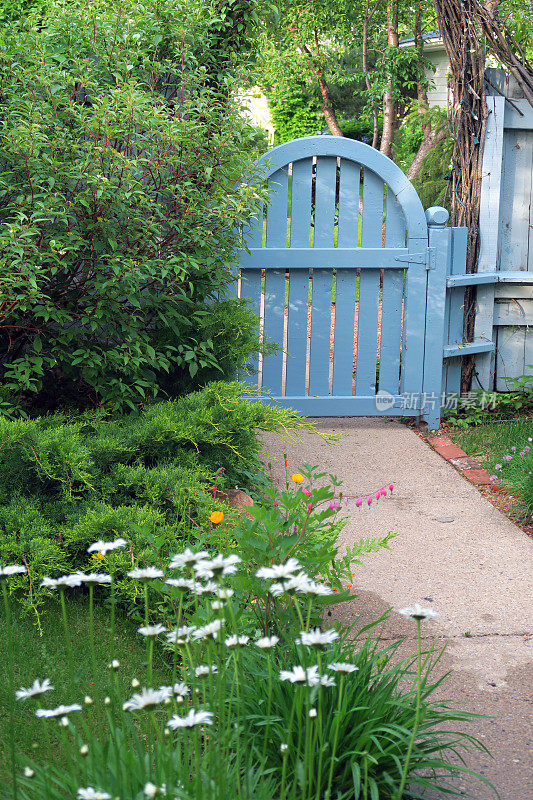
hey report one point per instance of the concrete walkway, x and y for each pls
(456, 553)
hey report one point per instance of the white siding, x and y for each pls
(438, 96)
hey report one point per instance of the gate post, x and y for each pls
(439, 243)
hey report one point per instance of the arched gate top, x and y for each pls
(339, 147)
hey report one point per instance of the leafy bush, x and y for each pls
(118, 211)
(515, 469)
(68, 482)
(294, 112)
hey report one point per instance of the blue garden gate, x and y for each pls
(348, 274)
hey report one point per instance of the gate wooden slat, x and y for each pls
(276, 236)
(324, 226)
(299, 279)
(251, 289)
(320, 332)
(392, 300)
(367, 326)
(301, 203)
(324, 222)
(347, 236)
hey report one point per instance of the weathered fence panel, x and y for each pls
(504, 308)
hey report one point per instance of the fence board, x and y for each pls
(392, 302)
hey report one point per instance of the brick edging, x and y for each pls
(469, 467)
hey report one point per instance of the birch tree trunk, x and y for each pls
(390, 106)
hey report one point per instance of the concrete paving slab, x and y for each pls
(455, 552)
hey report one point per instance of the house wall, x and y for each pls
(438, 96)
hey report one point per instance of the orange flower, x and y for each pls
(98, 556)
(297, 478)
(216, 517)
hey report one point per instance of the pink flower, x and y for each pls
(513, 449)
(334, 505)
(276, 503)
(307, 492)
(222, 470)
(383, 492)
(345, 501)
(359, 502)
(493, 478)
(378, 495)
(309, 506)
(527, 448)
(369, 501)
(391, 487)
(507, 458)
(497, 466)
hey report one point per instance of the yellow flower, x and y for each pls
(216, 517)
(98, 556)
(297, 478)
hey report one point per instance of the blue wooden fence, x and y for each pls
(349, 275)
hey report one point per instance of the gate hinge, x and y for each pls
(427, 258)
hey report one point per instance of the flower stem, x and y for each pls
(335, 740)
(399, 794)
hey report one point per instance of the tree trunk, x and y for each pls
(390, 106)
(419, 44)
(430, 140)
(326, 104)
(366, 20)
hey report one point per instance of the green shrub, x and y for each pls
(118, 208)
(70, 482)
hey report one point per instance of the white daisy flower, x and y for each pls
(217, 605)
(151, 790)
(64, 722)
(146, 573)
(327, 680)
(92, 794)
(202, 670)
(316, 638)
(318, 589)
(235, 641)
(211, 629)
(342, 666)
(148, 698)
(224, 594)
(115, 664)
(283, 747)
(135, 683)
(219, 565)
(180, 635)
(266, 642)
(151, 630)
(296, 583)
(60, 711)
(312, 713)
(279, 570)
(181, 583)
(204, 588)
(64, 580)
(12, 569)
(35, 689)
(417, 612)
(94, 577)
(88, 700)
(300, 675)
(84, 750)
(186, 558)
(193, 718)
(28, 772)
(106, 547)
(181, 689)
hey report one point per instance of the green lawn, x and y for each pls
(45, 656)
(492, 441)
